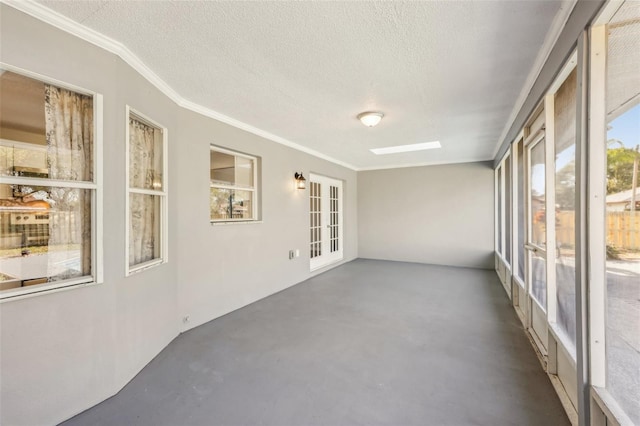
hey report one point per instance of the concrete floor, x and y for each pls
(368, 343)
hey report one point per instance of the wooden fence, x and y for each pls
(623, 229)
(14, 235)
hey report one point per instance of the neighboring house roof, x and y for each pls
(622, 197)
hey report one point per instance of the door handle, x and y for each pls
(531, 247)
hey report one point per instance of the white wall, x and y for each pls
(63, 352)
(436, 214)
(224, 267)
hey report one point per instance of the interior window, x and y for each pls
(46, 185)
(233, 192)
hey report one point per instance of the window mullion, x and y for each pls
(19, 180)
(235, 188)
(147, 192)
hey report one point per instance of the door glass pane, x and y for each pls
(538, 195)
(521, 216)
(537, 200)
(499, 195)
(539, 278)
(314, 222)
(507, 212)
(565, 191)
(333, 219)
(622, 209)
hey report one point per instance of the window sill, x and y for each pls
(235, 222)
(144, 266)
(21, 293)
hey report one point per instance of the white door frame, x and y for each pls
(326, 221)
(537, 313)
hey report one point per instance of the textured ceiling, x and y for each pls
(439, 70)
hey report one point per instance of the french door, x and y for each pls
(325, 221)
(536, 243)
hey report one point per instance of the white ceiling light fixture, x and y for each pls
(370, 118)
(407, 148)
(188, 82)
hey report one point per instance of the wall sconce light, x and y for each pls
(301, 182)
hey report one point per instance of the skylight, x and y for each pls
(406, 148)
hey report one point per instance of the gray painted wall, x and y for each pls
(66, 351)
(224, 267)
(436, 214)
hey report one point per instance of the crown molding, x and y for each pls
(559, 21)
(192, 106)
(422, 164)
(76, 29)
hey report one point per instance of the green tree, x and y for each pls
(620, 169)
(566, 186)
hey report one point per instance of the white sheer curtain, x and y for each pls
(69, 135)
(143, 220)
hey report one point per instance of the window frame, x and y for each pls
(552, 285)
(535, 132)
(507, 243)
(596, 187)
(95, 186)
(253, 189)
(516, 247)
(502, 179)
(598, 53)
(593, 402)
(499, 209)
(163, 194)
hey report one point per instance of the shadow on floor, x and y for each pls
(370, 342)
